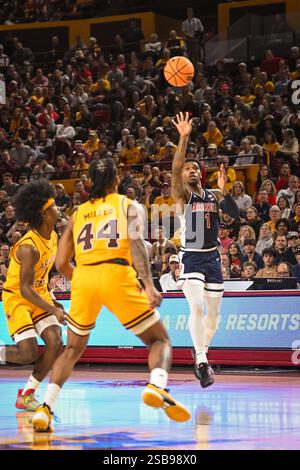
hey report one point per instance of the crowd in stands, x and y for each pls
(117, 104)
(14, 11)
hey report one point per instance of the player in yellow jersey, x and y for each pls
(27, 302)
(104, 235)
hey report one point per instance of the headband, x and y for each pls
(48, 204)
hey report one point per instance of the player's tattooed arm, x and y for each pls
(140, 258)
(184, 127)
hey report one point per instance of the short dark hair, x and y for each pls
(249, 241)
(268, 251)
(29, 202)
(7, 174)
(192, 160)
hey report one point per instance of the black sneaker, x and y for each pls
(204, 373)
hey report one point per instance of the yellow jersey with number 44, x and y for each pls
(100, 230)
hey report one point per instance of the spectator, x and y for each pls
(250, 253)
(296, 269)
(144, 140)
(7, 220)
(62, 199)
(269, 186)
(230, 173)
(262, 206)
(160, 248)
(270, 64)
(62, 169)
(22, 155)
(130, 193)
(79, 188)
(65, 131)
(92, 144)
(193, 32)
(265, 239)
(290, 191)
(253, 220)
(274, 214)
(130, 155)
(163, 211)
(293, 240)
(283, 270)
(212, 158)
(245, 156)
(42, 168)
(213, 135)
(168, 281)
(235, 260)
(233, 131)
(283, 177)
(225, 273)
(242, 200)
(289, 149)
(269, 268)
(249, 270)
(283, 204)
(9, 186)
(295, 218)
(175, 44)
(126, 179)
(280, 244)
(225, 241)
(165, 162)
(245, 232)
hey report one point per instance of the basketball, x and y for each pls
(179, 71)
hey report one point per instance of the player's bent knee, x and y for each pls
(55, 345)
(73, 353)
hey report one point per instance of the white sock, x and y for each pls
(51, 395)
(2, 354)
(31, 384)
(201, 357)
(159, 377)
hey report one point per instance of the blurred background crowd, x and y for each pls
(87, 103)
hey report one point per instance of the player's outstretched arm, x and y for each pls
(184, 127)
(140, 258)
(65, 252)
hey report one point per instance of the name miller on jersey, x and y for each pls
(99, 213)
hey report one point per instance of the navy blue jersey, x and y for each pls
(200, 222)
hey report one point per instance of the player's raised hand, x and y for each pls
(183, 124)
(222, 178)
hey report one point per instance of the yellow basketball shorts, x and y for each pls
(117, 288)
(24, 319)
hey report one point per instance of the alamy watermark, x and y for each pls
(296, 93)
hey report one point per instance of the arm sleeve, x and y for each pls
(229, 206)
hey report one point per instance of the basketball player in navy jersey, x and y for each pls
(200, 276)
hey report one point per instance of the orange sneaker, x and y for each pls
(159, 398)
